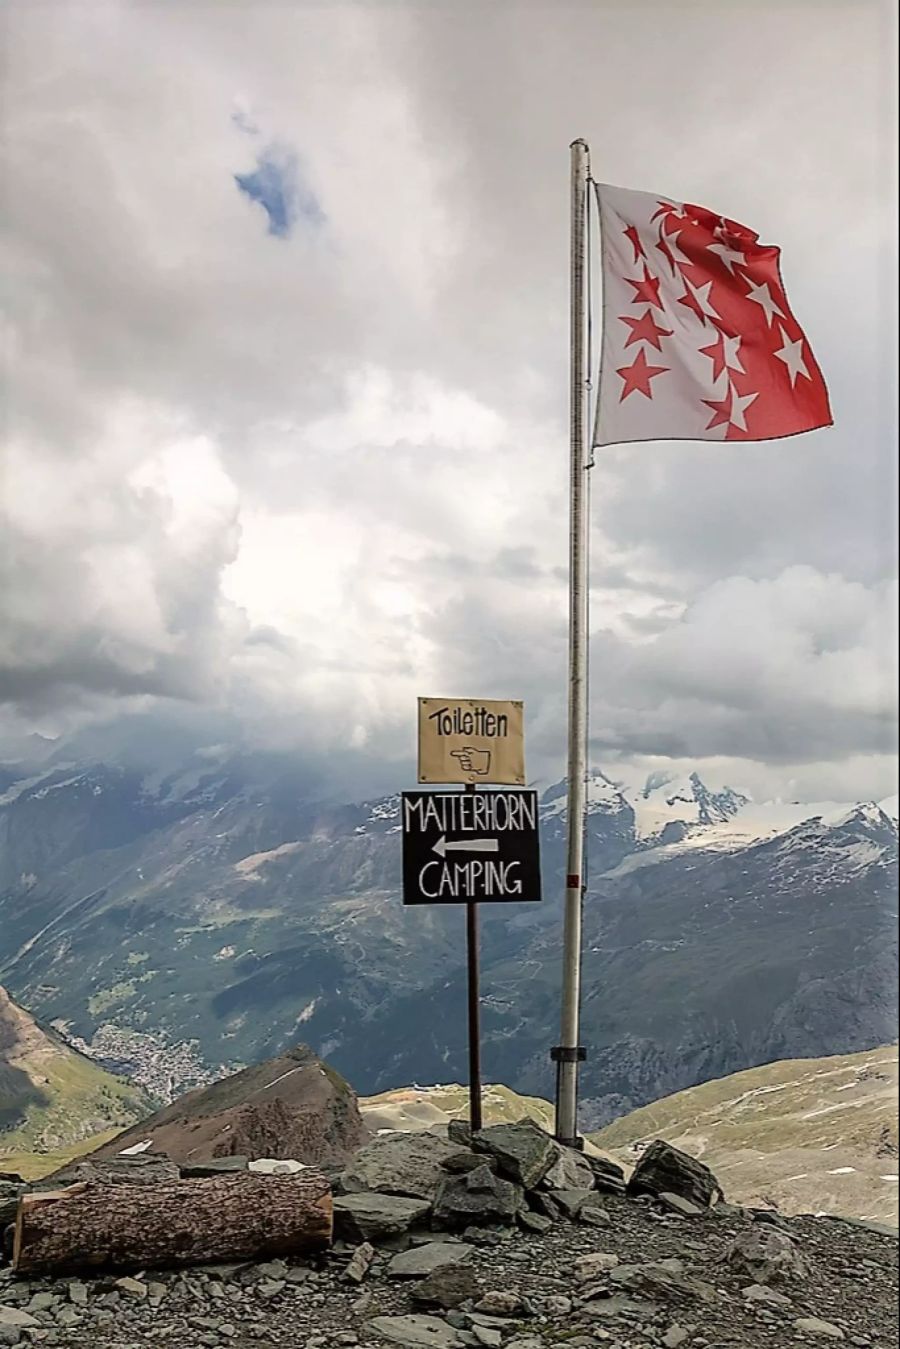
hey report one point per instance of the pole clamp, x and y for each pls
(568, 1054)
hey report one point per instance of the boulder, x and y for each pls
(360, 1262)
(608, 1184)
(569, 1170)
(611, 1308)
(447, 1287)
(588, 1267)
(663, 1279)
(461, 1161)
(216, 1166)
(369, 1217)
(500, 1302)
(602, 1165)
(767, 1255)
(683, 1207)
(543, 1203)
(571, 1202)
(460, 1133)
(523, 1151)
(458, 1203)
(422, 1332)
(419, 1261)
(759, 1294)
(400, 1163)
(812, 1325)
(608, 1175)
(594, 1216)
(534, 1222)
(675, 1337)
(480, 1178)
(9, 1201)
(146, 1168)
(13, 1316)
(662, 1169)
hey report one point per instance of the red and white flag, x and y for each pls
(699, 342)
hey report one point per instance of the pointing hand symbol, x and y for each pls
(477, 761)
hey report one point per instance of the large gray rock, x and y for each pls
(360, 1262)
(422, 1260)
(663, 1279)
(543, 1203)
(683, 1207)
(462, 1160)
(767, 1255)
(480, 1178)
(216, 1166)
(812, 1325)
(500, 1302)
(9, 1201)
(399, 1163)
(147, 1168)
(759, 1294)
(594, 1264)
(662, 1169)
(459, 1203)
(421, 1332)
(571, 1202)
(523, 1151)
(13, 1316)
(569, 1170)
(534, 1222)
(620, 1304)
(369, 1217)
(447, 1287)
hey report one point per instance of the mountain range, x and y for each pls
(186, 919)
(804, 1136)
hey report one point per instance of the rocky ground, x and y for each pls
(578, 1266)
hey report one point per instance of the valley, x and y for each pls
(184, 923)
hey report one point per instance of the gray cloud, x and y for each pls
(300, 479)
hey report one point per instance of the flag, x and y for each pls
(699, 342)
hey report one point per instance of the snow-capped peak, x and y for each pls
(865, 812)
(891, 807)
(603, 796)
(667, 805)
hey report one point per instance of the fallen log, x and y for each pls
(245, 1216)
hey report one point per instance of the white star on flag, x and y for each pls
(792, 355)
(728, 255)
(673, 255)
(701, 296)
(739, 406)
(732, 346)
(762, 296)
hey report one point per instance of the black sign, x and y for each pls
(464, 846)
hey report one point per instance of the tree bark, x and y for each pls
(241, 1217)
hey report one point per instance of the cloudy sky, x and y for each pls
(285, 346)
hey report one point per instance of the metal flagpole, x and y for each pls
(474, 1008)
(568, 1054)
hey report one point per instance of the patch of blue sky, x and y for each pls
(278, 185)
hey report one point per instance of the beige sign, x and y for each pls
(471, 740)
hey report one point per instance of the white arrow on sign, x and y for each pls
(442, 847)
